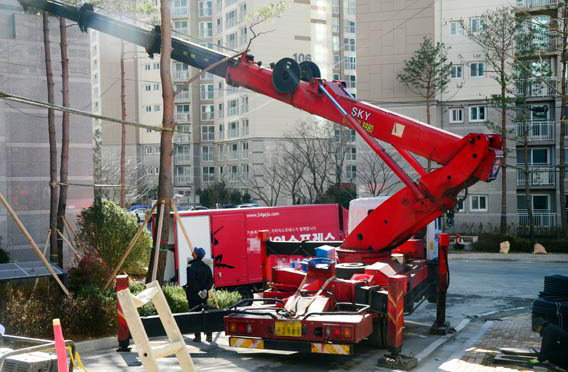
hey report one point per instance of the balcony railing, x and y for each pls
(537, 87)
(541, 219)
(182, 179)
(182, 116)
(535, 131)
(182, 138)
(182, 96)
(181, 75)
(182, 158)
(538, 176)
(535, 3)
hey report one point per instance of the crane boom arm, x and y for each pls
(464, 160)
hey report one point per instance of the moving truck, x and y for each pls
(230, 239)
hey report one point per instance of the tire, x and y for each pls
(346, 270)
(245, 293)
(379, 338)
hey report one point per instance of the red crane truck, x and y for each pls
(329, 312)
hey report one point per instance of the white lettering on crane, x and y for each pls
(360, 113)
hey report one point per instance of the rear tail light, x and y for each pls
(240, 327)
(339, 333)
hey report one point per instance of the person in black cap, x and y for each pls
(199, 282)
(554, 346)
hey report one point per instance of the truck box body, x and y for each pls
(230, 238)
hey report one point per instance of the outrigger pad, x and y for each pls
(398, 361)
(518, 351)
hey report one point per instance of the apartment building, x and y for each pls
(229, 132)
(389, 33)
(543, 118)
(24, 144)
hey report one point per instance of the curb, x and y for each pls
(421, 356)
(455, 357)
(96, 345)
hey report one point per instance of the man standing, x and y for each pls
(199, 282)
(554, 347)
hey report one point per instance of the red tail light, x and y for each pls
(339, 333)
(240, 327)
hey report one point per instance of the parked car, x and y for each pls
(248, 205)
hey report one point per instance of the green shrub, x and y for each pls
(108, 229)
(223, 299)
(90, 271)
(175, 295)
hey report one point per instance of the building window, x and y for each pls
(335, 25)
(540, 203)
(350, 7)
(456, 115)
(149, 150)
(335, 43)
(147, 87)
(234, 151)
(231, 18)
(234, 173)
(156, 86)
(233, 107)
(477, 113)
(245, 127)
(206, 91)
(233, 129)
(207, 112)
(205, 29)
(231, 40)
(350, 63)
(245, 147)
(456, 72)
(351, 154)
(537, 156)
(179, 8)
(180, 27)
(221, 110)
(335, 7)
(147, 66)
(205, 8)
(208, 174)
(349, 27)
(156, 65)
(244, 171)
(242, 11)
(351, 172)
(148, 108)
(207, 132)
(207, 153)
(219, 22)
(221, 131)
(475, 24)
(456, 28)
(478, 203)
(182, 153)
(243, 38)
(349, 44)
(157, 108)
(477, 69)
(351, 81)
(244, 104)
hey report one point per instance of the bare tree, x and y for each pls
(54, 252)
(266, 182)
(497, 37)
(375, 175)
(64, 165)
(563, 119)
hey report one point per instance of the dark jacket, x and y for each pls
(199, 277)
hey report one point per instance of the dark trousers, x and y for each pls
(194, 300)
(554, 347)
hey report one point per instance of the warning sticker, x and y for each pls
(397, 130)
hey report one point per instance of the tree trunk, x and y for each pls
(429, 167)
(64, 168)
(504, 226)
(123, 131)
(563, 123)
(166, 145)
(54, 256)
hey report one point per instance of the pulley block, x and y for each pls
(309, 70)
(286, 75)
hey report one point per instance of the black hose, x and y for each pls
(552, 304)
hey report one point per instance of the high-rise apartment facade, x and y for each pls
(229, 132)
(389, 33)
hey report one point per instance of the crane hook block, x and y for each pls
(286, 75)
(309, 70)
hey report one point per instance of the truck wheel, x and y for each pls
(346, 270)
(245, 293)
(378, 338)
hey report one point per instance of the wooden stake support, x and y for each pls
(146, 353)
(158, 241)
(33, 244)
(130, 246)
(77, 256)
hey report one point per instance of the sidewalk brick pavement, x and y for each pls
(511, 332)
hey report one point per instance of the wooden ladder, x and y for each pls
(147, 354)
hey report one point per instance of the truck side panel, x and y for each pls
(231, 261)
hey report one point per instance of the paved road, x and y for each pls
(476, 288)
